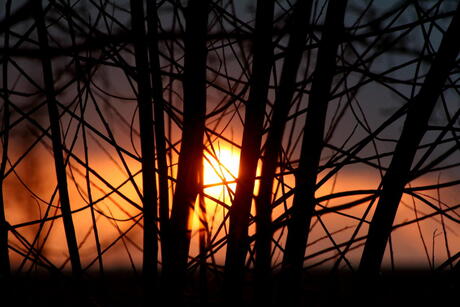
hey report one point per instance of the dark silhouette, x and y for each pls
(191, 154)
(149, 201)
(160, 142)
(419, 111)
(4, 257)
(312, 144)
(298, 30)
(59, 165)
(250, 151)
(343, 115)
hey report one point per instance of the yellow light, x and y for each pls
(220, 171)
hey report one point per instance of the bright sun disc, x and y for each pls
(220, 168)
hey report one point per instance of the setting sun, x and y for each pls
(220, 171)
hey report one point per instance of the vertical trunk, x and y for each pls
(4, 256)
(79, 71)
(203, 231)
(312, 143)
(149, 268)
(53, 114)
(191, 152)
(298, 29)
(418, 114)
(157, 91)
(250, 150)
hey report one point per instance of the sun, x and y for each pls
(220, 168)
(220, 171)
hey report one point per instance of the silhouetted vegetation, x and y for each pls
(203, 152)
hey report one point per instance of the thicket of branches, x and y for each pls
(344, 116)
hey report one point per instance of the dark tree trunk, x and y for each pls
(149, 202)
(415, 125)
(250, 150)
(203, 232)
(312, 143)
(4, 256)
(80, 71)
(157, 91)
(298, 29)
(56, 140)
(191, 153)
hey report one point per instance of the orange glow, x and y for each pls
(220, 172)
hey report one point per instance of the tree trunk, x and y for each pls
(59, 164)
(157, 91)
(312, 143)
(203, 231)
(298, 29)
(415, 125)
(250, 150)
(4, 255)
(149, 202)
(191, 152)
(79, 71)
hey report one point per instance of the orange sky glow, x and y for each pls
(220, 171)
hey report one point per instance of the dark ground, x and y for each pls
(403, 288)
